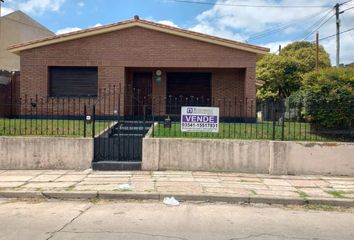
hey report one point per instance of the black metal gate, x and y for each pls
(118, 142)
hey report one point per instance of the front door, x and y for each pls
(142, 91)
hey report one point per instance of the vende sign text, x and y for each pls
(200, 119)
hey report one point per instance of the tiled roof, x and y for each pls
(136, 22)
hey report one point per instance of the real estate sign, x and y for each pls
(200, 119)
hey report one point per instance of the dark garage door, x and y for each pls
(187, 88)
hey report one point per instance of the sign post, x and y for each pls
(200, 119)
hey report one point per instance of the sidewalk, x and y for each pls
(193, 186)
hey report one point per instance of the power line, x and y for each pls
(274, 30)
(348, 30)
(323, 22)
(251, 6)
(347, 9)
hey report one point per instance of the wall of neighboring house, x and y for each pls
(137, 47)
(16, 28)
(9, 92)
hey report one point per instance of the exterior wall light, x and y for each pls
(158, 75)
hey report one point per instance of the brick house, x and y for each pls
(140, 60)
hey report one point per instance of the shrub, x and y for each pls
(329, 98)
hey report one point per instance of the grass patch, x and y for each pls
(49, 127)
(337, 194)
(302, 194)
(292, 131)
(253, 192)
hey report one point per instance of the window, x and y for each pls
(73, 81)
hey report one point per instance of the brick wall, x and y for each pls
(137, 47)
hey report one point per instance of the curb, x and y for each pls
(111, 195)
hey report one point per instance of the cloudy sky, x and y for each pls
(262, 22)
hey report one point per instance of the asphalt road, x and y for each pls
(154, 220)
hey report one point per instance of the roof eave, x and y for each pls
(100, 30)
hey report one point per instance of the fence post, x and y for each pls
(273, 113)
(153, 117)
(144, 110)
(85, 121)
(283, 109)
(93, 120)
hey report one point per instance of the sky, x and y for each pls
(271, 23)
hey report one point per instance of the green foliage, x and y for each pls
(305, 53)
(283, 73)
(282, 76)
(329, 97)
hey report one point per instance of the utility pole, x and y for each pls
(337, 34)
(317, 58)
(336, 7)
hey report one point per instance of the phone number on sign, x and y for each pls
(200, 125)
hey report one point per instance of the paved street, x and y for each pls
(154, 220)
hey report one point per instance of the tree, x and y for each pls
(305, 53)
(281, 74)
(329, 97)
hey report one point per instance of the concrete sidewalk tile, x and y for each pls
(55, 172)
(45, 178)
(210, 184)
(108, 176)
(22, 172)
(106, 180)
(186, 189)
(240, 179)
(343, 187)
(15, 178)
(349, 195)
(96, 187)
(343, 183)
(70, 178)
(276, 182)
(141, 187)
(277, 193)
(207, 180)
(76, 172)
(282, 188)
(181, 179)
(314, 192)
(302, 183)
(204, 174)
(254, 187)
(228, 190)
(47, 185)
(11, 184)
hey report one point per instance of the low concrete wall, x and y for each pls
(274, 157)
(45, 153)
(205, 155)
(312, 158)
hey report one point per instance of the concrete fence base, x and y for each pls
(273, 157)
(45, 153)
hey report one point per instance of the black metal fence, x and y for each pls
(88, 117)
(248, 119)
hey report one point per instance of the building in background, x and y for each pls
(17, 27)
